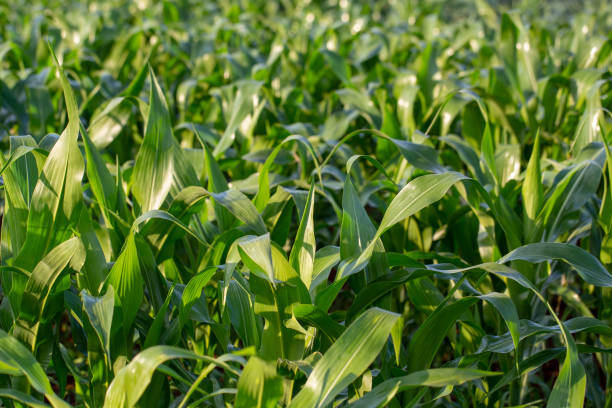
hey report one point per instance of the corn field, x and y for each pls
(307, 203)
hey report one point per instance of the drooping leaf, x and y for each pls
(13, 355)
(383, 393)
(130, 383)
(587, 266)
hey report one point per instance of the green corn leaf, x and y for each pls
(304, 247)
(259, 385)
(415, 196)
(263, 191)
(240, 309)
(57, 195)
(383, 393)
(111, 118)
(256, 253)
(22, 398)
(587, 266)
(325, 259)
(16, 176)
(357, 231)
(570, 388)
(132, 380)
(157, 159)
(193, 291)
(164, 215)
(427, 339)
(380, 287)
(338, 65)
(99, 311)
(100, 180)
(155, 330)
(16, 357)
(126, 278)
(507, 310)
(242, 105)
(275, 296)
(217, 184)
(347, 358)
(40, 284)
(570, 194)
(532, 189)
(314, 316)
(242, 208)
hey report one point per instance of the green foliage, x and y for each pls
(305, 204)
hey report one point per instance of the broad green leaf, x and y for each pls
(427, 339)
(507, 310)
(99, 311)
(100, 180)
(111, 118)
(274, 301)
(155, 163)
(193, 291)
(587, 266)
(469, 157)
(131, 382)
(240, 308)
(18, 174)
(419, 155)
(256, 253)
(415, 196)
(380, 287)
(325, 259)
(263, 191)
(383, 393)
(338, 65)
(488, 151)
(126, 278)
(570, 193)
(588, 129)
(39, 287)
(363, 103)
(242, 105)
(528, 328)
(242, 208)
(14, 355)
(259, 385)
(357, 231)
(346, 359)
(314, 316)
(164, 215)
(22, 398)
(154, 334)
(57, 195)
(528, 364)
(570, 387)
